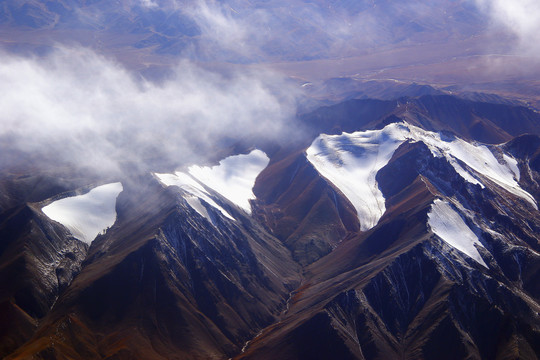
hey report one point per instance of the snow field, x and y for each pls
(234, 177)
(351, 162)
(85, 216)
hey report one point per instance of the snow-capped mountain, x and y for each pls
(301, 179)
(386, 229)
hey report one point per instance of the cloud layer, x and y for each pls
(78, 107)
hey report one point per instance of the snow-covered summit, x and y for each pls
(351, 162)
(233, 178)
(478, 158)
(187, 183)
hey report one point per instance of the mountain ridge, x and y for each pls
(298, 278)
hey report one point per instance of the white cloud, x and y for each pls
(521, 18)
(77, 106)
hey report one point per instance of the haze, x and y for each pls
(170, 80)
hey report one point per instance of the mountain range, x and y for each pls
(405, 228)
(268, 180)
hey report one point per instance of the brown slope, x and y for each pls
(307, 329)
(399, 292)
(302, 209)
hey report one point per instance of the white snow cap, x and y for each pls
(85, 216)
(447, 223)
(351, 162)
(233, 178)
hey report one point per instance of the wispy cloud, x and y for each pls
(227, 32)
(79, 107)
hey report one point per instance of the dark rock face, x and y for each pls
(38, 260)
(526, 149)
(296, 279)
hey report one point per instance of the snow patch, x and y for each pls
(198, 206)
(85, 216)
(233, 178)
(448, 224)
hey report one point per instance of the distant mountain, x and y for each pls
(279, 30)
(400, 228)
